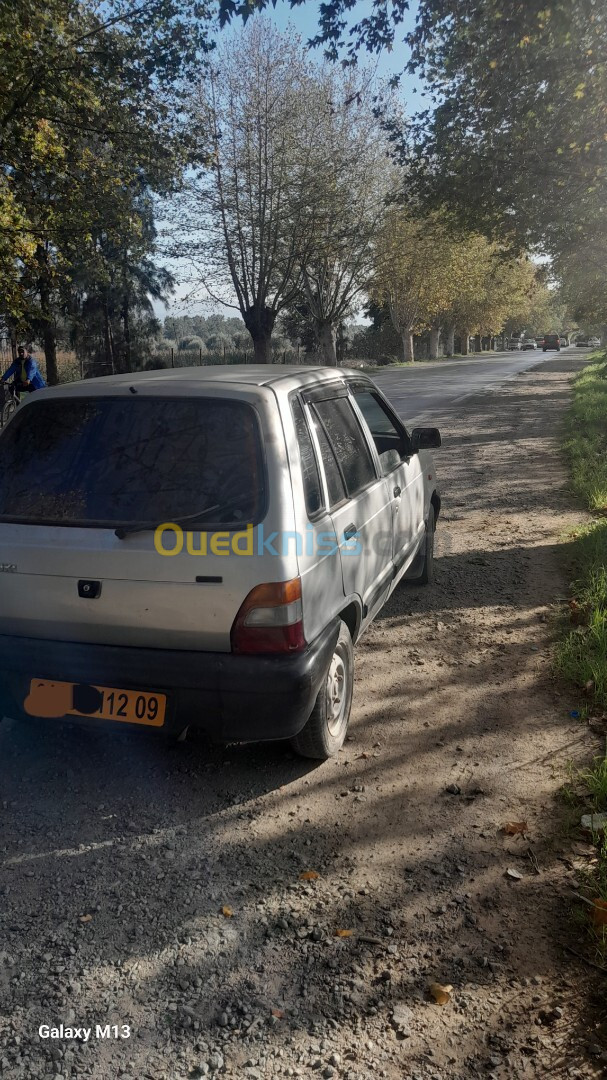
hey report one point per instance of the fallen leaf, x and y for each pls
(441, 994)
(599, 912)
(278, 1013)
(227, 911)
(515, 828)
(514, 874)
(86, 918)
(309, 875)
(344, 933)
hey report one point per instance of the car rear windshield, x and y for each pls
(128, 462)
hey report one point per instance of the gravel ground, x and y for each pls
(159, 887)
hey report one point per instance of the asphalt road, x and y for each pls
(427, 389)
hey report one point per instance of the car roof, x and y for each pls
(279, 377)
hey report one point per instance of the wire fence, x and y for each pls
(72, 368)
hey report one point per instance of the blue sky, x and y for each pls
(304, 20)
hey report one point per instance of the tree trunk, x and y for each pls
(48, 326)
(450, 340)
(464, 346)
(326, 337)
(260, 323)
(107, 337)
(434, 342)
(478, 343)
(126, 326)
(408, 353)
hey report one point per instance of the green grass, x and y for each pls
(586, 442)
(581, 655)
(594, 780)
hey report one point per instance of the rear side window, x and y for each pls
(309, 465)
(118, 461)
(348, 442)
(335, 483)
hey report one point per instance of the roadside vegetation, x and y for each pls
(582, 651)
(582, 654)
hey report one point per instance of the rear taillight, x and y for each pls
(270, 619)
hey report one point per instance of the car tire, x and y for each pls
(326, 727)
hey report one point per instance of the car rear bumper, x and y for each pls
(233, 698)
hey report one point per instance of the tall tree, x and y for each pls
(517, 137)
(414, 274)
(490, 289)
(90, 107)
(113, 282)
(431, 280)
(349, 182)
(244, 222)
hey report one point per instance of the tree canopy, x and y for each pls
(90, 122)
(515, 140)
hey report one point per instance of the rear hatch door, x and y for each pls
(83, 482)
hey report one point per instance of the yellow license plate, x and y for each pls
(48, 698)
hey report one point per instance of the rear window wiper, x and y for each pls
(146, 526)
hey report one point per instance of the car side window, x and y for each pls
(335, 484)
(309, 465)
(345, 435)
(390, 438)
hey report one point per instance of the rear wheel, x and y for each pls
(324, 733)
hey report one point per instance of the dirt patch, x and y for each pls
(118, 854)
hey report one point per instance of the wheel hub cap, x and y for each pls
(335, 693)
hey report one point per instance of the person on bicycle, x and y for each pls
(25, 370)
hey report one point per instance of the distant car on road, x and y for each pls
(513, 344)
(552, 341)
(563, 340)
(539, 341)
(530, 344)
(593, 342)
(581, 343)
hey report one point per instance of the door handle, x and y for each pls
(350, 531)
(396, 492)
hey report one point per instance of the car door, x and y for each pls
(358, 497)
(401, 469)
(318, 555)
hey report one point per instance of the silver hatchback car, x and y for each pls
(205, 546)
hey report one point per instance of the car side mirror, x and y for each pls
(425, 438)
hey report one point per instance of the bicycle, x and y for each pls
(9, 400)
